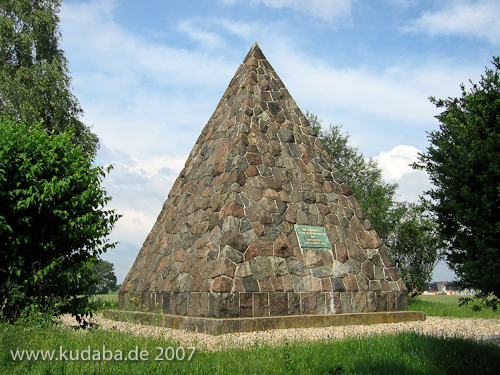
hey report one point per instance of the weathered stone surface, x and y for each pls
(346, 301)
(222, 284)
(261, 304)
(368, 269)
(354, 251)
(278, 304)
(296, 267)
(250, 284)
(384, 255)
(352, 266)
(235, 240)
(224, 267)
(322, 272)
(183, 282)
(364, 239)
(360, 302)
(251, 252)
(341, 252)
(266, 285)
(363, 282)
(224, 244)
(339, 270)
(314, 258)
(232, 254)
(224, 305)
(308, 303)
(234, 209)
(252, 171)
(285, 135)
(350, 283)
(282, 247)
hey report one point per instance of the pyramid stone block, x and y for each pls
(226, 243)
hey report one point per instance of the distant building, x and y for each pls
(446, 287)
(430, 289)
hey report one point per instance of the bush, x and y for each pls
(52, 222)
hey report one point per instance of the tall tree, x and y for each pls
(463, 162)
(53, 225)
(414, 244)
(406, 229)
(104, 277)
(35, 85)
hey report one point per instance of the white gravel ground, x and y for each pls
(465, 328)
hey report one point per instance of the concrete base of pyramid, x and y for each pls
(216, 326)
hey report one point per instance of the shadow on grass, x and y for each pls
(418, 354)
(407, 353)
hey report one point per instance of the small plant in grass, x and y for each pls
(287, 357)
(34, 315)
(104, 304)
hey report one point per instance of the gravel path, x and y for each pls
(465, 328)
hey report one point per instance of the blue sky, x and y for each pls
(150, 73)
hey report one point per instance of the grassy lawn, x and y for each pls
(106, 301)
(407, 353)
(106, 352)
(447, 306)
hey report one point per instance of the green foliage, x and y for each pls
(463, 162)
(414, 245)
(406, 229)
(34, 79)
(104, 277)
(52, 222)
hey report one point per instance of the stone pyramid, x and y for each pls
(259, 222)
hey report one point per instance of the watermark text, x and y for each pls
(104, 354)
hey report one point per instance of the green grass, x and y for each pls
(407, 353)
(106, 301)
(447, 306)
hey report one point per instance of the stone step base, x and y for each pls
(215, 326)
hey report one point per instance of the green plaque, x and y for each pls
(312, 237)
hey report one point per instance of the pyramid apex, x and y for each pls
(254, 52)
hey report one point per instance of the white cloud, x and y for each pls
(396, 162)
(139, 187)
(152, 166)
(134, 221)
(328, 10)
(209, 40)
(395, 166)
(143, 97)
(118, 52)
(480, 19)
(397, 95)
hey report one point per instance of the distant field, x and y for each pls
(109, 297)
(106, 301)
(443, 298)
(447, 306)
